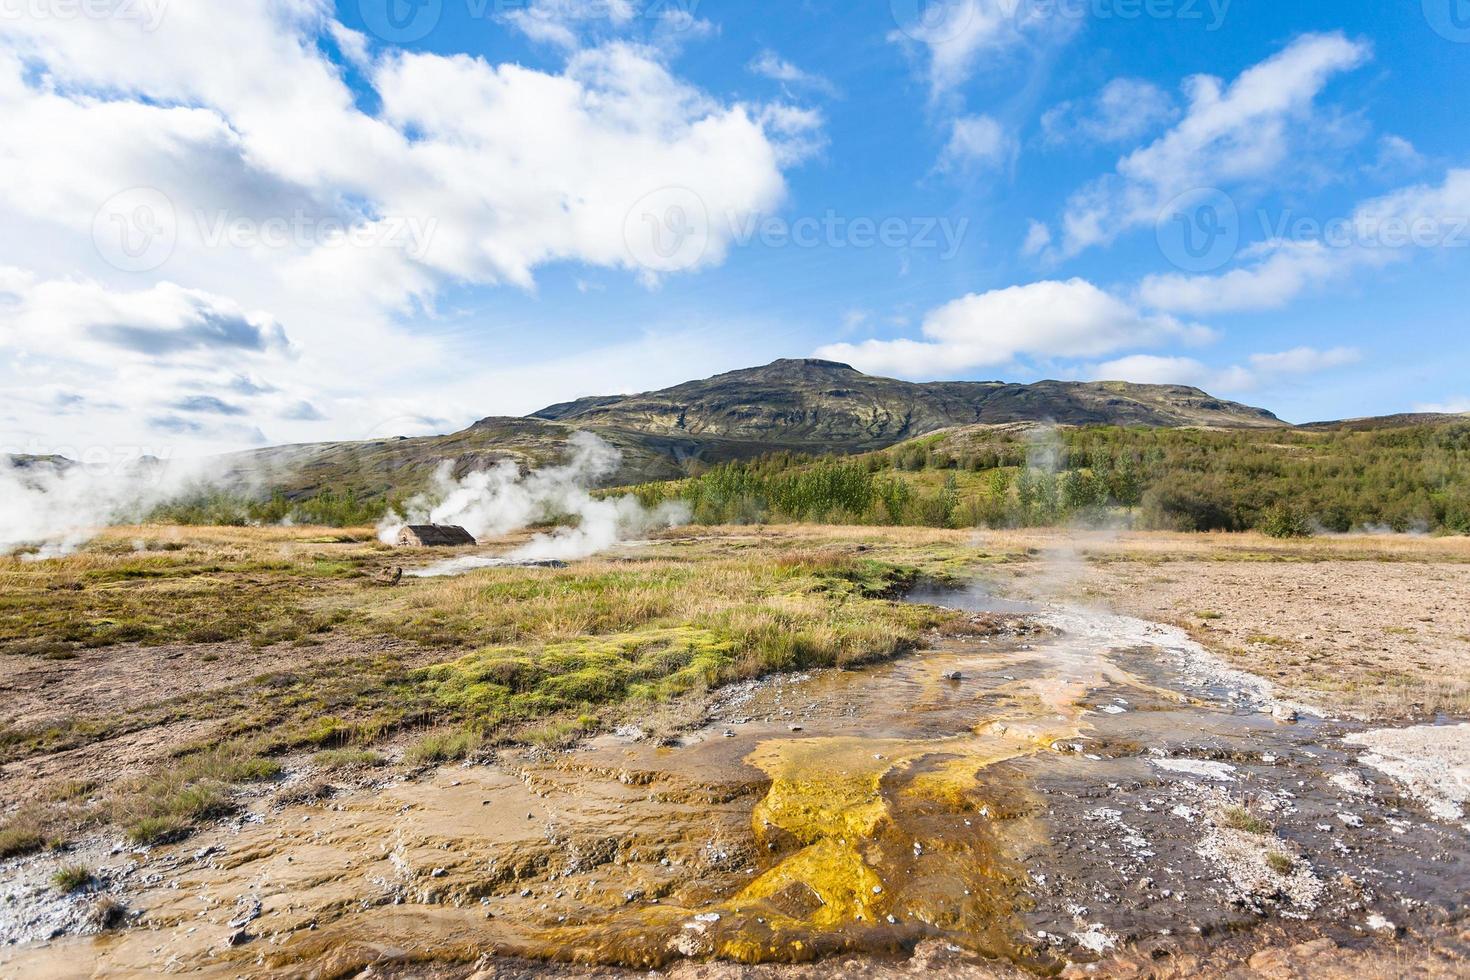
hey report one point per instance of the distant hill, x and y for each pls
(823, 406)
(805, 406)
(1405, 421)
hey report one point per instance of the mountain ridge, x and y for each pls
(828, 406)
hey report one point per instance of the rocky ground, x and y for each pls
(1160, 836)
(1378, 627)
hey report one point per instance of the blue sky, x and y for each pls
(550, 198)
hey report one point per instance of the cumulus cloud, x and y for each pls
(1125, 110)
(1049, 319)
(1259, 370)
(954, 36)
(1389, 229)
(160, 323)
(1229, 134)
(493, 170)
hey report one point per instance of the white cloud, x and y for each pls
(1379, 232)
(1038, 237)
(1125, 110)
(768, 64)
(1229, 135)
(1455, 406)
(1397, 157)
(232, 113)
(560, 22)
(955, 34)
(976, 143)
(1259, 370)
(1047, 320)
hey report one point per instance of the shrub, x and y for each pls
(1284, 521)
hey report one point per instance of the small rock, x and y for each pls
(239, 938)
(954, 675)
(437, 873)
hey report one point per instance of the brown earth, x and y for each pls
(1373, 627)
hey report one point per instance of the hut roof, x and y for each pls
(434, 536)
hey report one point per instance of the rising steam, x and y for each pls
(502, 499)
(49, 508)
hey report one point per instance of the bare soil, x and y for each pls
(1376, 628)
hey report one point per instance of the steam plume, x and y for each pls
(501, 499)
(56, 506)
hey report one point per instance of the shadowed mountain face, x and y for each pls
(806, 406)
(822, 406)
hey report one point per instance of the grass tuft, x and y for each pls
(451, 747)
(1239, 818)
(72, 878)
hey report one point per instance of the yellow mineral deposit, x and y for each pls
(769, 845)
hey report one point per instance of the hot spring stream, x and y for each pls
(1071, 784)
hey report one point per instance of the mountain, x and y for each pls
(1373, 424)
(823, 406)
(800, 405)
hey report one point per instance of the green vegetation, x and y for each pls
(1287, 483)
(1280, 863)
(1239, 818)
(167, 804)
(508, 654)
(218, 508)
(72, 878)
(154, 592)
(347, 759)
(444, 747)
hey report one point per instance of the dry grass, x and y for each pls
(536, 655)
(72, 878)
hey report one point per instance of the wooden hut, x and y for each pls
(434, 536)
